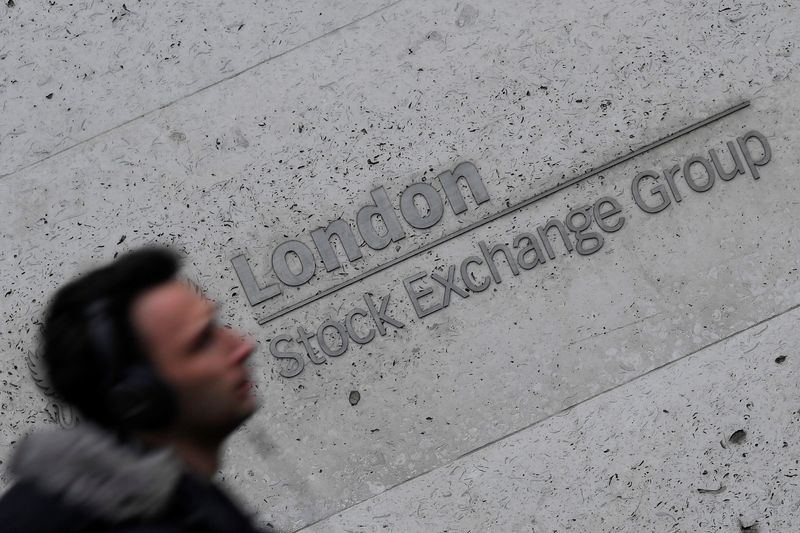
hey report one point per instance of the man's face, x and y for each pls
(202, 360)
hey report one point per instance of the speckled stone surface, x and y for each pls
(70, 71)
(532, 96)
(707, 443)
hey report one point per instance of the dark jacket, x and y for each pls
(86, 481)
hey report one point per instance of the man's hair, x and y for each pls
(77, 369)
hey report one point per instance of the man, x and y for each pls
(160, 384)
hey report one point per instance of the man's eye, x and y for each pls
(205, 338)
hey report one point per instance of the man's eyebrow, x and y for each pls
(202, 333)
(205, 326)
(206, 329)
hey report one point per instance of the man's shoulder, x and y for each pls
(83, 480)
(25, 508)
(86, 480)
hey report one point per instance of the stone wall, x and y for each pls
(645, 382)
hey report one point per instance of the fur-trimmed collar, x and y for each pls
(90, 468)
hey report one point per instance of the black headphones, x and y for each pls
(137, 398)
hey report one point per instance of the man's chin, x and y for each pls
(248, 409)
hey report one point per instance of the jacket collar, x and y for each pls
(90, 468)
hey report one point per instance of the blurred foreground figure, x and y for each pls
(160, 385)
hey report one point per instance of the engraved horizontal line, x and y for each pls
(507, 211)
(254, 66)
(474, 452)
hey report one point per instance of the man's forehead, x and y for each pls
(169, 311)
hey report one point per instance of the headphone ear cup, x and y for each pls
(141, 400)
